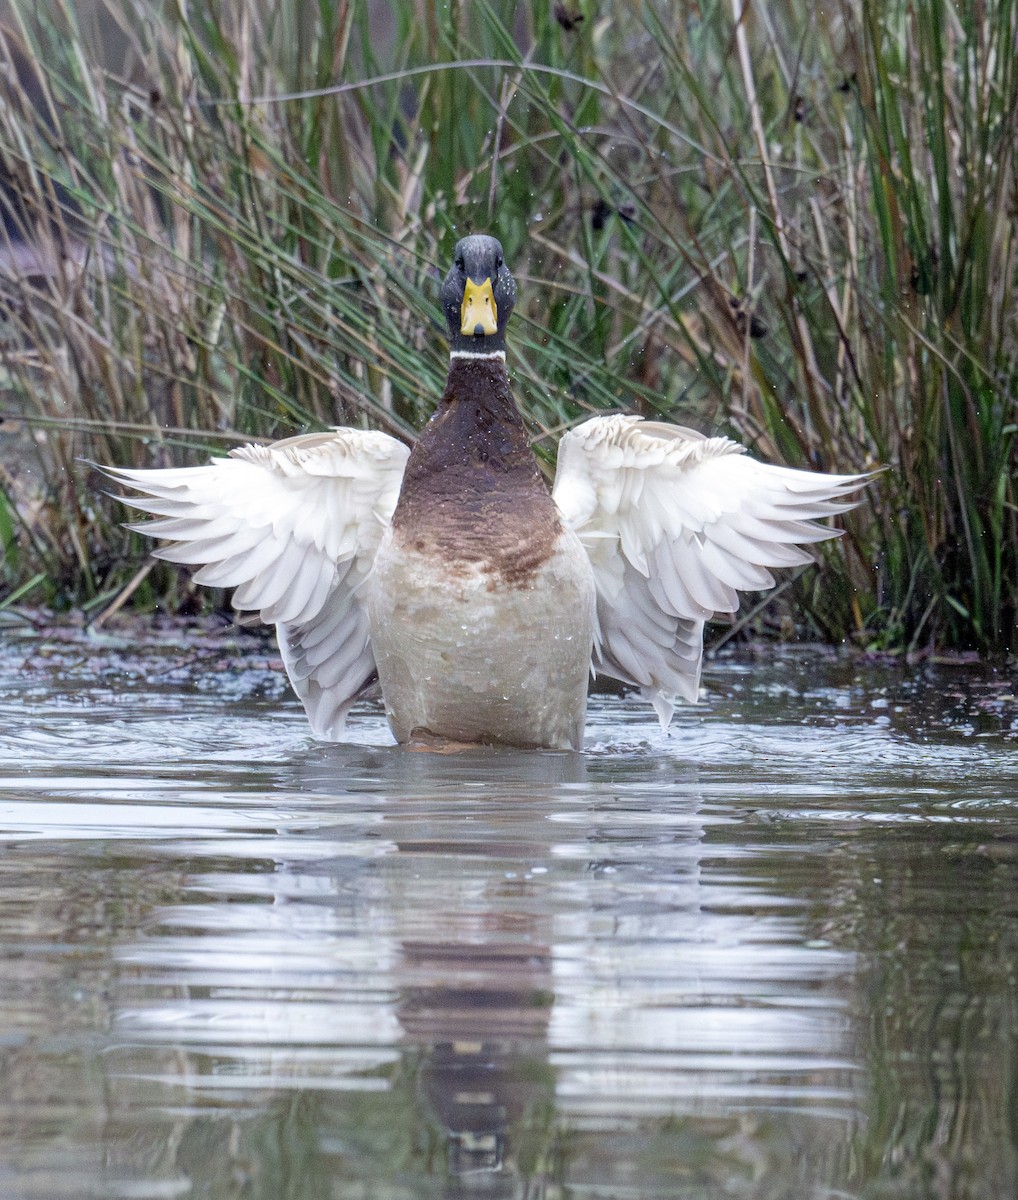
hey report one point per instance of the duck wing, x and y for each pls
(675, 524)
(293, 527)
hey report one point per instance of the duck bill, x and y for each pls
(478, 313)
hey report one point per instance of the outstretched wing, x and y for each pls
(293, 528)
(676, 524)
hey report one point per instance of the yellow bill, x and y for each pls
(478, 313)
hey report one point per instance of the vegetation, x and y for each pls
(792, 226)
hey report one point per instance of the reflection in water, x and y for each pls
(769, 955)
(484, 1027)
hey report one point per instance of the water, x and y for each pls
(770, 954)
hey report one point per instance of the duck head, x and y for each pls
(478, 295)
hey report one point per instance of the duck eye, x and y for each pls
(460, 263)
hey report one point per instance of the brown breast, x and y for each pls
(472, 491)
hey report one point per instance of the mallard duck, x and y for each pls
(478, 600)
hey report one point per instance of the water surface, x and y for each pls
(769, 953)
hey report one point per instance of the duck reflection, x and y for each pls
(467, 842)
(482, 1013)
(476, 992)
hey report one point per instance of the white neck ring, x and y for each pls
(477, 354)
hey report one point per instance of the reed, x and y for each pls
(737, 216)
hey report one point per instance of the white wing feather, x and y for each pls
(293, 528)
(675, 525)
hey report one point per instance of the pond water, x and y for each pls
(771, 953)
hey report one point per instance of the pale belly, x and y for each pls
(469, 660)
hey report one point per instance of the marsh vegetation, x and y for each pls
(797, 229)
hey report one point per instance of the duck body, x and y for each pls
(451, 577)
(482, 604)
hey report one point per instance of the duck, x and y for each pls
(451, 577)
